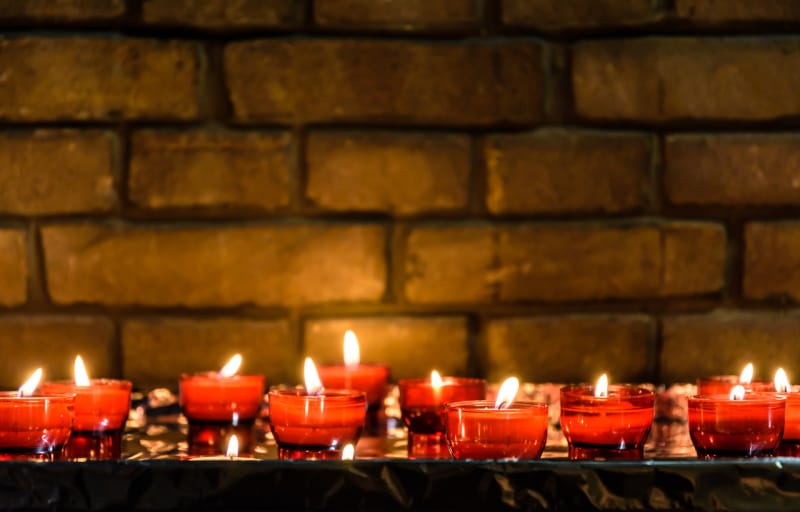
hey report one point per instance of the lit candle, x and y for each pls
(790, 442)
(101, 409)
(606, 422)
(723, 384)
(369, 378)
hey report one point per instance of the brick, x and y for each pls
(663, 79)
(559, 15)
(562, 262)
(723, 343)
(157, 350)
(51, 79)
(61, 10)
(204, 169)
(222, 14)
(35, 166)
(411, 346)
(399, 15)
(384, 81)
(391, 172)
(772, 261)
(741, 169)
(52, 342)
(13, 267)
(570, 348)
(214, 266)
(554, 171)
(720, 11)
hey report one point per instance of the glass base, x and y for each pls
(427, 446)
(605, 453)
(88, 445)
(211, 437)
(308, 453)
(733, 454)
(789, 448)
(56, 453)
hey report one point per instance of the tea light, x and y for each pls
(315, 423)
(34, 426)
(790, 441)
(737, 425)
(369, 378)
(220, 404)
(723, 384)
(503, 429)
(101, 408)
(421, 407)
(606, 422)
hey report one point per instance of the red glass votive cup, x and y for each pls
(790, 442)
(723, 384)
(369, 378)
(614, 427)
(101, 409)
(311, 427)
(751, 427)
(475, 429)
(34, 427)
(219, 407)
(422, 410)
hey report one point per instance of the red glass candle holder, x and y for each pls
(34, 427)
(369, 378)
(614, 427)
(751, 427)
(219, 407)
(101, 409)
(476, 430)
(422, 410)
(316, 426)
(790, 442)
(723, 384)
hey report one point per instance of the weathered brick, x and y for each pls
(383, 171)
(384, 81)
(411, 346)
(557, 15)
(723, 343)
(662, 79)
(38, 165)
(400, 15)
(573, 348)
(61, 10)
(554, 171)
(742, 169)
(222, 14)
(214, 266)
(13, 267)
(48, 79)
(52, 342)
(157, 350)
(720, 11)
(188, 169)
(772, 260)
(563, 262)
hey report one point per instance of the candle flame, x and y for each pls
(747, 374)
(313, 384)
(436, 379)
(231, 367)
(348, 452)
(737, 393)
(352, 354)
(233, 447)
(507, 393)
(81, 375)
(782, 382)
(601, 389)
(31, 384)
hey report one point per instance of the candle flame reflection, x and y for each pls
(313, 383)
(233, 447)
(782, 382)
(31, 384)
(231, 367)
(747, 374)
(737, 393)
(352, 354)
(348, 452)
(436, 379)
(507, 393)
(601, 389)
(81, 375)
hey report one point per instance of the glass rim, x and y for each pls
(749, 398)
(453, 381)
(209, 374)
(579, 391)
(327, 394)
(36, 397)
(488, 406)
(118, 383)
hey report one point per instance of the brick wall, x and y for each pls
(545, 187)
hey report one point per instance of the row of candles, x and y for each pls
(445, 416)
